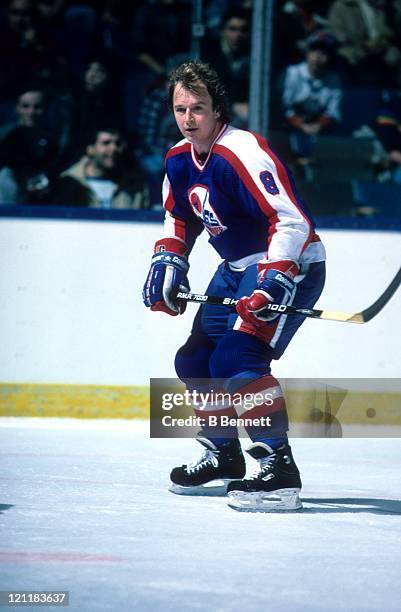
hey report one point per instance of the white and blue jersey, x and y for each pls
(244, 197)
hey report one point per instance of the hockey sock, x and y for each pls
(274, 443)
(217, 417)
(263, 408)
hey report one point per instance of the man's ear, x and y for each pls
(217, 113)
(89, 150)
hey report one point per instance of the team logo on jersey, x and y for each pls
(200, 202)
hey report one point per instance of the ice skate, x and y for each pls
(273, 487)
(211, 474)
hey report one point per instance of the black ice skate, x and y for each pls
(273, 487)
(212, 472)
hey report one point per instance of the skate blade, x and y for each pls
(214, 488)
(282, 500)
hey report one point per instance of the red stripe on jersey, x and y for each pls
(247, 179)
(180, 229)
(178, 224)
(184, 148)
(284, 179)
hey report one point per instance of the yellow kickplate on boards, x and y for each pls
(74, 401)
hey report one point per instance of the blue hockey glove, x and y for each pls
(274, 286)
(167, 276)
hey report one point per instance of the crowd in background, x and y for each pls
(83, 114)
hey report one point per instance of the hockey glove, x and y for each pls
(274, 286)
(167, 276)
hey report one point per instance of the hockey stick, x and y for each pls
(330, 315)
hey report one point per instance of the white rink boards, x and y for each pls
(70, 299)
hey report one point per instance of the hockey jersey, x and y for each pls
(244, 197)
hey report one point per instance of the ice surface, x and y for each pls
(84, 507)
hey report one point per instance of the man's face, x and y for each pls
(235, 33)
(30, 108)
(195, 117)
(105, 153)
(20, 15)
(95, 76)
(317, 60)
(49, 8)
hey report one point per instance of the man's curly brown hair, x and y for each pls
(190, 75)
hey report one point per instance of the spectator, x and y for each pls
(26, 52)
(312, 96)
(161, 28)
(34, 107)
(366, 42)
(96, 100)
(388, 131)
(214, 11)
(27, 157)
(296, 22)
(116, 17)
(80, 34)
(229, 56)
(50, 16)
(160, 34)
(103, 177)
(30, 108)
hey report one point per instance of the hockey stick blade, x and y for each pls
(329, 315)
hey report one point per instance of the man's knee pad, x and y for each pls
(240, 352)
(192, 359)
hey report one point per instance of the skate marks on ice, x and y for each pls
(5, 507)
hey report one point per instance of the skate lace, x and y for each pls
(207, 458)
(263, 468)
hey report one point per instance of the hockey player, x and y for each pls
(229, 182)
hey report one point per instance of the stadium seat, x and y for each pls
(359, 108)
(373, 198)
(343, 159)
(327, 199)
